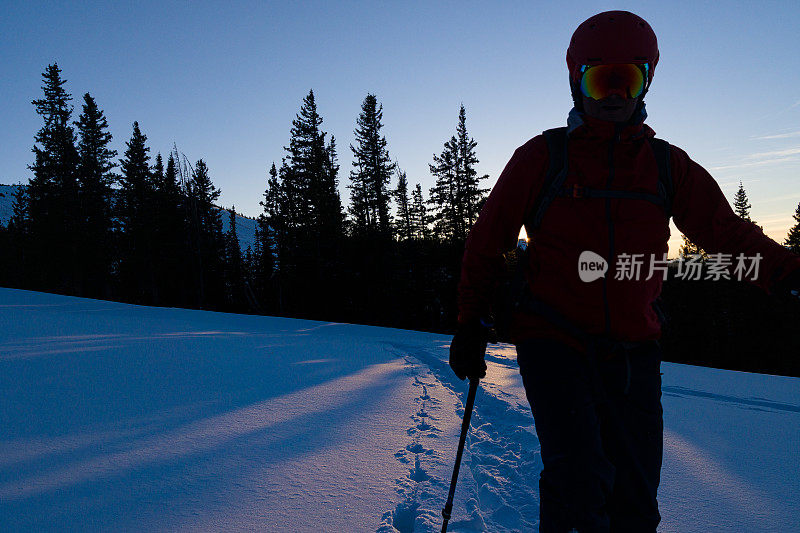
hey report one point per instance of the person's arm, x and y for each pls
(703, 214)
(497, 228)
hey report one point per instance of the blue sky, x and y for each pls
(224, 81)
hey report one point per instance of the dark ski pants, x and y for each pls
(601, 435)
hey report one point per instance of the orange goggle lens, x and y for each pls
(601, 81)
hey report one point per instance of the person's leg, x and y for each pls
(577, 478)
(633, 437)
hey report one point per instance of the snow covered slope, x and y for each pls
(122, 417)
(6, 202)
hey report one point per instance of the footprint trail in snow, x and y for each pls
(498, 483)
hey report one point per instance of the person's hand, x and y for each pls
(469, 348)
(790, 285)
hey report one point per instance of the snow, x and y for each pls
(6, 203)
(123, 417)
(245, 229)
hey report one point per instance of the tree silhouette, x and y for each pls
(793, 239)
(53, 204)
(372, 171)
(306, 212)
(741, 205)
(270, 236)
(95, 178)
(404, 225)
(14, 267)
(135, 212)
(172, 236)
(456, 197)
(235, 268)
(420, 219)
(206, 224)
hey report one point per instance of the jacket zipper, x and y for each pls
(610, 221)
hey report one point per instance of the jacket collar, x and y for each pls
(580, 124)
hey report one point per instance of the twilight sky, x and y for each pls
(224, 80)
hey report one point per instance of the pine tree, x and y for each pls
(444, 193)
(248, 258)
(310, 210)
(234, 264)
(180, 172)
(419, 215)
(793, 239)
(405, 228)
(331, 214)
(206, 224)
(309, 173)
(171, 186)
(371, 174)
(20, 219)
(270, 245)
(18, 241)
(53, 204)
(170, 244)
(158, 173)
(136, 182)
(740, 203)
(96, 158)
(135, 212)
(261, 265)
(471, 196)
(6, 268)
(742, 206)
(272, 220)
(160, 251)
(95, 176)
(456, 197)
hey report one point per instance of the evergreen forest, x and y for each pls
(147, 229)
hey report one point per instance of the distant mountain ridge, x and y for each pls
(245, 226)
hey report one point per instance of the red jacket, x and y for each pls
(620, 309)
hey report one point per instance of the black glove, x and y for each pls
(469, 347)
(790, 285)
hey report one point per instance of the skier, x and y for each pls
(588, 349)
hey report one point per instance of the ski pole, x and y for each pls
(448, 508)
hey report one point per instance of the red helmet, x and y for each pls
(612, 37)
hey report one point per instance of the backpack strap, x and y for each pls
(553, 185)
(666, 190)
(665, 193)
(556, 139)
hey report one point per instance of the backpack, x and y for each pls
(513, 288)
(553, 186)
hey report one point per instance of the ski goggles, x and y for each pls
(625, 79)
